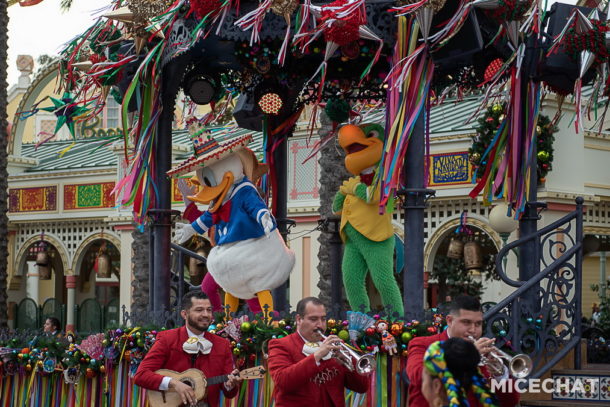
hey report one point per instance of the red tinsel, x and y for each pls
(203, 8)
(343, 30)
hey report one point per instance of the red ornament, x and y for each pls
(370, 331)
(345, 29)
(493, 67)
(432, 329)
(203, 8)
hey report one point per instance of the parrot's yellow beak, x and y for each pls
(362, 151)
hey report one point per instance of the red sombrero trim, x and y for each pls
(191, 162)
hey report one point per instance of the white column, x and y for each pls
(71, 301)
(126, 271)
(31, 288)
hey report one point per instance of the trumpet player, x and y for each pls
(464, 320)
(302, 366)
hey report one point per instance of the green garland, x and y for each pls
(487, 128)
(98, 352)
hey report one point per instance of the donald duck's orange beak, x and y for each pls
(216, 193)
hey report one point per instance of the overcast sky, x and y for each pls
(43, 29)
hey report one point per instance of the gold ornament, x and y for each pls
(284, 8)
(543, 155)
(475, 158)
(538, 129)
(497, 108)
(436, 5)
(143, 10)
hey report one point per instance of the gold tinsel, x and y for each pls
(144, 10)
(284, 7)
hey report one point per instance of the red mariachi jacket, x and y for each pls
(300, 382)
(415, 364)
(167, 353)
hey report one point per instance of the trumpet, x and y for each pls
(519, 366)
(349, 358)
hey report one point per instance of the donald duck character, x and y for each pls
(250, 257)
(368, 236)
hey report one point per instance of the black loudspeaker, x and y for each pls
(459, 50)
(247, 114)
(127, 74)
(559, 70)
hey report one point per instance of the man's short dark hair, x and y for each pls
(464, 302)
(54, 322)
(301, 305)
(187, 300)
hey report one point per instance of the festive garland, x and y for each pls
(98, 353)
(487, 128)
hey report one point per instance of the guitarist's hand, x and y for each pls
(233, 380)
(186, 392)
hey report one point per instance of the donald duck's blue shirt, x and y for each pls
(246, 210)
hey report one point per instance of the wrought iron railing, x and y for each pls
(178, 287)
(542, 317)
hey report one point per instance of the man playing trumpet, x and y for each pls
(464, 320)
(302, 365)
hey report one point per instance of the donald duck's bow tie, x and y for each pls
(194, 345)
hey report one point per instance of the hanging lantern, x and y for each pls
(102, 262)
(42, 261)
(103, 265)
(473, 256)
(456, 248)
(197, 268)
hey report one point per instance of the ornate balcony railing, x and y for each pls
(542, 317)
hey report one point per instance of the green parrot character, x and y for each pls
(368, 236)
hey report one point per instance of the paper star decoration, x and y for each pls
(67, 111)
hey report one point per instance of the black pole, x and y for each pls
(280, 197)
(414, 205)
(162, 214)
(529, 255)
(151, 273)
(332, 226)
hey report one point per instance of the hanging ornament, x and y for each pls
(473, 256)
(205, 8)
(102, 262)
(340, 23)
(270, 103)
(456, 248)
(144, 10)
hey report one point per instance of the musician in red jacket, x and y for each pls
(302, 367)
(464, 320)
(190, 346)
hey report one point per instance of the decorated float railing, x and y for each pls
(542, 317)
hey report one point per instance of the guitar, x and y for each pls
(196, 379)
